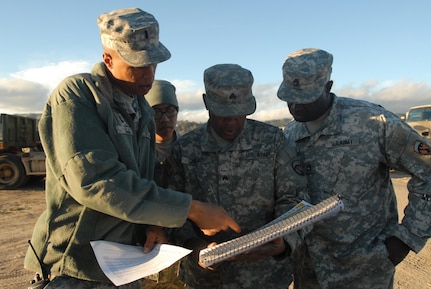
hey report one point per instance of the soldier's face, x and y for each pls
(129, 79)
(227, 128)
(166, 121)
(312, 111)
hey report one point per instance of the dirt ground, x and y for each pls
(19, 210)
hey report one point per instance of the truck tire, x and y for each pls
(12, 173)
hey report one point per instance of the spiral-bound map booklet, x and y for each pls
(300, 216)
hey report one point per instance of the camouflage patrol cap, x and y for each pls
(228, 90)
(305, 73)
(162, 92)
(134, 35)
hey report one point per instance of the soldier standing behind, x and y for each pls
(163, 99)
(247, 167)
(347, 147)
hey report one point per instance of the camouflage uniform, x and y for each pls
(254, 180)
(351, 155)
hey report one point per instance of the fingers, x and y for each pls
(211, 218)
(148, 246)
(210, 232)
(222, 222)
(279, 240)
(223, 227)
(233, 225)
(155, 235)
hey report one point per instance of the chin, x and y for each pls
(299, 119)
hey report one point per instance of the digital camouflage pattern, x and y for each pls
(305, 73)
(134, 35)
(351, 155)
(228, 90)
(255, 180)
(165, 279)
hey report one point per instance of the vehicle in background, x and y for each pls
(419, 118)
(21, 153)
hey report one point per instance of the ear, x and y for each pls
(107, 59)
(204, 96)
(329, 86)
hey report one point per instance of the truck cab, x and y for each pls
(419, 118)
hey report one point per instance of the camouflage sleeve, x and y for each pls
(177, 182)
(290, 187)
(410, 152)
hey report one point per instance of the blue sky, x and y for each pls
(381, 48)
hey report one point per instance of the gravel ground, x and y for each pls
(19, 210)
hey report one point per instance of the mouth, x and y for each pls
(146, 88)
(298, 116)
(230, 132)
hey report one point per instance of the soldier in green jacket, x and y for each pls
(98, 133)
(247, 167)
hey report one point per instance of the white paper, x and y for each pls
(123, 264)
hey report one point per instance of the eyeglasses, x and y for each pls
(170, 112)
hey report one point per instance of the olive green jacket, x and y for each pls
(99, 177)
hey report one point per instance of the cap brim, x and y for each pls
(153, 55)
(289, 94)
(234, 110)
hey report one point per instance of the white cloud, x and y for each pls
(50, 75)
(22, 96)
(26, 91)
(192, 108)
(396, 96)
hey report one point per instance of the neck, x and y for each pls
(162, 139)
(120, 85)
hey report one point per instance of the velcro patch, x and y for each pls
(421, 148)
(343, 142)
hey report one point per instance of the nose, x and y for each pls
(230, 121)
(295, 106)
(148, 71)
(164, 117)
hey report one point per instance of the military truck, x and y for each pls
(21, 153)
(419, 118)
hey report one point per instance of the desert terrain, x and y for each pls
(19, 210)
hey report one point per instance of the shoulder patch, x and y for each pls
(298, 167)
(421, 148)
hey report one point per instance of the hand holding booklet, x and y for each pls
(300, 216)
(124, 264)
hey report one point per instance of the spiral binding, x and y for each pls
(277, 228)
